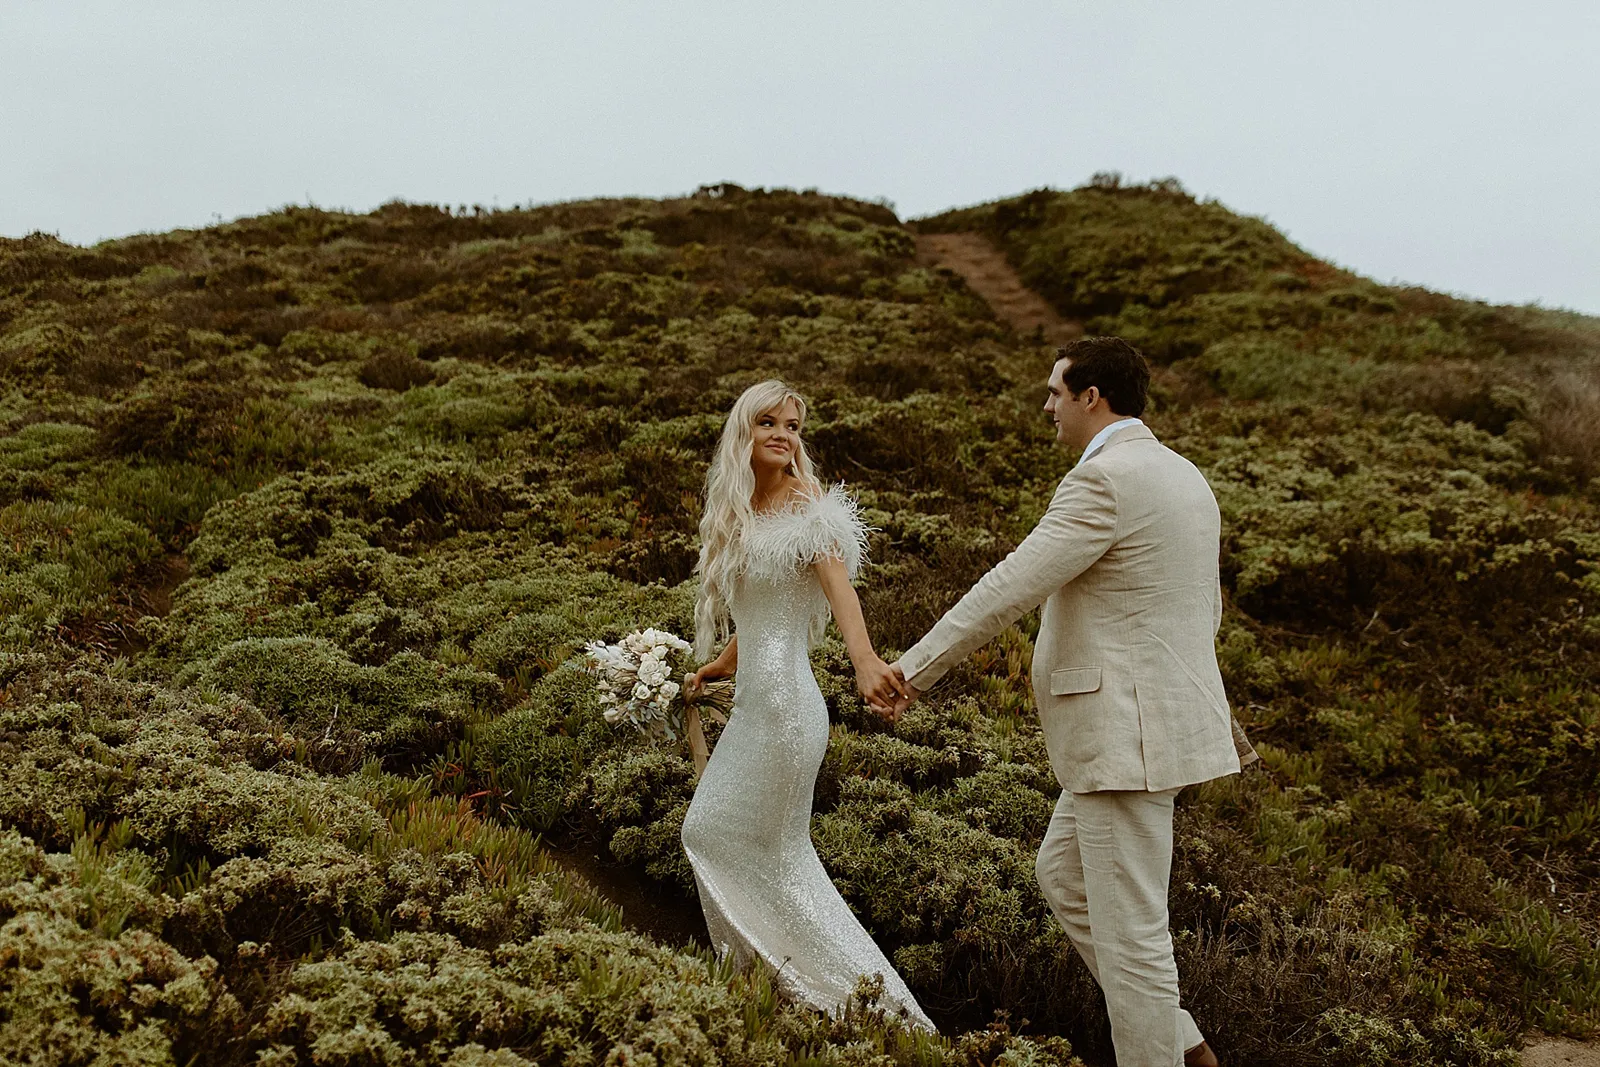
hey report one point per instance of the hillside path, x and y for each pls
(985, 269)
(1561, 1052)
(670, 918)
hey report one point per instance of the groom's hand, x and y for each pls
(908, 693)
(880, 687)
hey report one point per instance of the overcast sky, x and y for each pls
(1450, 144)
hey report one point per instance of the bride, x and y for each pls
(777, 550)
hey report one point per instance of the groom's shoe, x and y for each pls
(1200, 1056)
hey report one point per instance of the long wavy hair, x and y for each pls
(730, 481)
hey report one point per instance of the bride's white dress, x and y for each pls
(748, 830)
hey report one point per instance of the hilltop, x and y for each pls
(310, 511)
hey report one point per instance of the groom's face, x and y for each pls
(1070, 413)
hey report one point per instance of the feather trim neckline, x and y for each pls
(806, 502)
(780, 541)
(796, 504)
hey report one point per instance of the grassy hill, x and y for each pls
(308, 513)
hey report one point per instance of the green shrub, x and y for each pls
(539, 752)
(40, 460)
(394, 370)
(318, 346)
(474, 404)
(64, 567)
(314, 687)
(77, 990)
(212, 425)
(577, 997)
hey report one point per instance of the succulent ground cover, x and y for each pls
(306, 515)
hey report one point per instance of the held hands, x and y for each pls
(878, 684)
(908, 693)
(884, 688)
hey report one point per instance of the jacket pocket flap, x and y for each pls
(1074, 680)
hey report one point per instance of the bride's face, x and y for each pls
(776, 437)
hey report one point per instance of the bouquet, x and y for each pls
(635, 681)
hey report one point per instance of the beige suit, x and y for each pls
(1125, 677)
(1125, 668)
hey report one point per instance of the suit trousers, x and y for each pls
(1104, 868)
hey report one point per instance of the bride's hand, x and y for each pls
(880, 685)
(695, 682)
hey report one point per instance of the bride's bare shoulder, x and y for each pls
(795, 496)
(797, 491)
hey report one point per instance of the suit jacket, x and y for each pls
(1125, 668)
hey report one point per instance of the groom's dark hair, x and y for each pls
(1111, 365)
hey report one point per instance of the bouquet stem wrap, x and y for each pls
(633, 677)
(695, 728)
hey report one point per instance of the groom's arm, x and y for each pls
(1077, 528)
(1241, 743)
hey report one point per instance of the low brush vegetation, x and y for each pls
(307, 515)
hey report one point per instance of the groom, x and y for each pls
(1125, 676)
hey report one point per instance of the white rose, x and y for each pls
(641, 692)
(669, 690)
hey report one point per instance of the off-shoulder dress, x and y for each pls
(748, 831)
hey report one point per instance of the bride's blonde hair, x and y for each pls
(729, 484)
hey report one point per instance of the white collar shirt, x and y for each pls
(1099, 439)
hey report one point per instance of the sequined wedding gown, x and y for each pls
(748, 830)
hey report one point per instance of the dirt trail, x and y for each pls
(154, 597)
(670, 916)
(1561, 1052)
(986, 272)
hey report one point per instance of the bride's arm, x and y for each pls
(724, 665)
(880, 686)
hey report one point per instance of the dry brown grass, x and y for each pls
(1567, 416)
